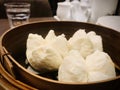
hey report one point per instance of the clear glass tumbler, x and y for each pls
(17, 13)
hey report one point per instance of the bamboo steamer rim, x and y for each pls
(40, 77)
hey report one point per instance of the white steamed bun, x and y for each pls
(60, 44)
(79, 59)
(33, 42)
(80, 41)
(86, 43)
(45, 58)
(73, 68)
(97, 66)
(46, 54)
(96, 40)
(100, 66)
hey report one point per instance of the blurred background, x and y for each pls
(39, 8)
(45, 8)
(42, 8)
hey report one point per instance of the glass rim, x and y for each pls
(17, 4)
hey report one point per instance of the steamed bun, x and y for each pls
(33, 42)
(86, 43)
(97, 76)
(100, 66)
(60, 44)
(45, 58)
(97, 66)
(79, 59)
(73, 68)
(96, 40)
(50, 36)
(46, 54)
(80, 41)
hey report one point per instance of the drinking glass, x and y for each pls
(17, 13)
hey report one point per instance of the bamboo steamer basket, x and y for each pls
(13, 49)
